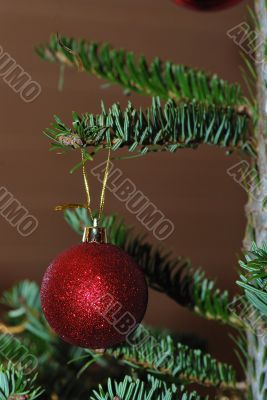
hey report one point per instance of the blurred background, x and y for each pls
(191, 188)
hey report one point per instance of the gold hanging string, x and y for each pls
(105, 179)
(86, 185)
(63, 207)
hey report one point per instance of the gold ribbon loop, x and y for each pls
(62, 207)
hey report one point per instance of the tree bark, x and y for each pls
(261, 208)
(257, 211)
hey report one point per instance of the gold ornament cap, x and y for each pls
(94, 234)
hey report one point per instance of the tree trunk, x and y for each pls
(257, 211)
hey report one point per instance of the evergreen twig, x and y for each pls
(173, 362)
(15, 385)
(254, 278)
(169, 127)
(132, 389)
(164, 79)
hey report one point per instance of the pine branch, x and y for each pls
(158, 128)
(166, 80)
(170, 361)
(186, 285)
(254, 281)
(173, 276)
(160, 355)
(153, 389)
(25, 311)
(21, 298)
(254, 313)
(38, 346)
(14, 385)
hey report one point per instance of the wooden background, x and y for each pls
(191, 188)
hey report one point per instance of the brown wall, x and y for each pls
(191, 188)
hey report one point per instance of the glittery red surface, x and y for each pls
(207, 5)
(78, 287)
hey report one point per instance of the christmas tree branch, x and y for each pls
(25, 310)
(170, 361)
(187, 286)
(38, 346)
(159, 354)
(158, 128)
(136, 389)
(166, 80)
(14, 385)
(173, 276)
(254, 278)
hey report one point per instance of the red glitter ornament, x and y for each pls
(93, 295)
(207, 5)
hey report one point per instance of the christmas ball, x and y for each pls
(93, 295)
(207, 5)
